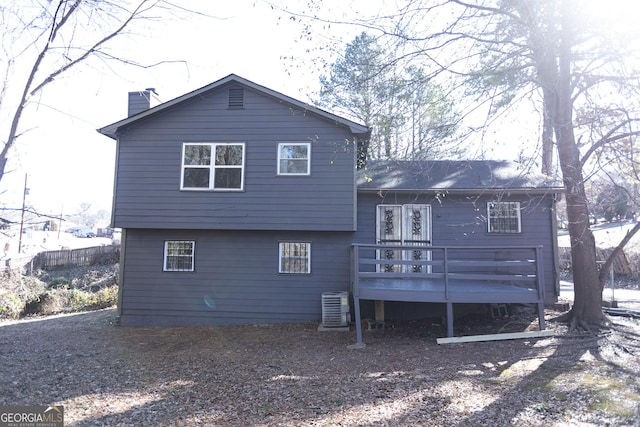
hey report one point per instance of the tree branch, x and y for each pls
(604, 270)
(608, 138)
(63, 12)
(95, 48)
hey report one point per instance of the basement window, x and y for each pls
(295, 258)
(179, 255)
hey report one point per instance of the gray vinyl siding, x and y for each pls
(236, 279)
(460, 220)
(148, 191)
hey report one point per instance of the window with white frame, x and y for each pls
(213, 166)
(294, 158)
(503, 217)
(179, 255)
(295, 258)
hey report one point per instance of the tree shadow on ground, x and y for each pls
(596, 372)
(295, 375)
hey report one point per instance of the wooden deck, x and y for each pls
(465, 274)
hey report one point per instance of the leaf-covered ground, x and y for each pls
(293, 375)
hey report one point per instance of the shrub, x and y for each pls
(79, 300)
(60, 283)
(86, 300)
(89, 288)
(16, 289)
(10, 306)
(50, 302)
(105, 298)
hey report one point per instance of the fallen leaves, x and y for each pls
(293, 375)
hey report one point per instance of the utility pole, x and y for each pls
(24, 203)
(60, 221)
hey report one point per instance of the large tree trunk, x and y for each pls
(547, 133)
(587, 308)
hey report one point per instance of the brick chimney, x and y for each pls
(142, 100)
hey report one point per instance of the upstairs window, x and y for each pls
(213, 166)
(179, 255)
(503, 217)
(295, 258)
(294, 158)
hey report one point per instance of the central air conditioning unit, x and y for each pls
(335, 309)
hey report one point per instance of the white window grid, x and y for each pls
(179, 255)
(504, 217)
(294, 258)
(211, 167)
(287, 159)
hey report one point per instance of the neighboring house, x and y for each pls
(239, 204)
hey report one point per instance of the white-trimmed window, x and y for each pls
(503, 218)
(294, 158)
(179, 255)
(213, 166)
(295, 258)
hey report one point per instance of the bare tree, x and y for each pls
(549, 53)
(43, 41)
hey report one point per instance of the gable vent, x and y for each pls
(236, 98)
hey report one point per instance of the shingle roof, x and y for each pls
(451, 175)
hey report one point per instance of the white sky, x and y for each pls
(69, 163)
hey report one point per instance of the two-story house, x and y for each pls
(239, 204)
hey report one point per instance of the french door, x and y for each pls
(407, 225)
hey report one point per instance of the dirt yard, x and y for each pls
(293, 375)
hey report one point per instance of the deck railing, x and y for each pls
(447, 274)
(477, 264)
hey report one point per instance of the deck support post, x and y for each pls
(449, 319)
(379, 306)
(540, 286)
(541, 323)
(358, 320)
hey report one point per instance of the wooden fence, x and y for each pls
(620, 266)
(52, 260)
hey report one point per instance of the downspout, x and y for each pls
(123, 235)
(123, 244)
(554, 239)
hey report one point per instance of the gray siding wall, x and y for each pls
(459, 220)
(236, 279)
(149, 165)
